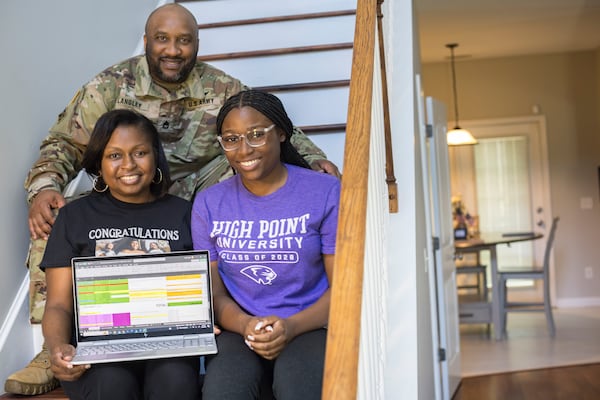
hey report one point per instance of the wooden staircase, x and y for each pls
(300, 51)
(312, 79)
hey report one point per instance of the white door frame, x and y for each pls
(442, 276)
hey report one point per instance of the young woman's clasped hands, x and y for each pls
(266, 336)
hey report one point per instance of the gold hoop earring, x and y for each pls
(160, 176)
(95, 182)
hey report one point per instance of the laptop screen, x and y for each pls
(149, 295)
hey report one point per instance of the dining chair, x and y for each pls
(531, 273)
(468, 266)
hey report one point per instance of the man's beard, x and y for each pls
(179, 77)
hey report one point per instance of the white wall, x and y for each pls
(49, 49)
(407, 236)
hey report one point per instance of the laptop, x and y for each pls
(143, 306)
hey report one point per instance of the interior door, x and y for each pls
(533, 213)
(445, 269)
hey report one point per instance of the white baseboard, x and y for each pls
(17, 345)
(13, 312)
(573, 302)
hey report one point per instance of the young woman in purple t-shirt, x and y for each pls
(271, 233)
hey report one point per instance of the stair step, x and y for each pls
(56, 394)
(277, 52)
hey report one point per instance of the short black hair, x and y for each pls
(103, 130)
(271, 107)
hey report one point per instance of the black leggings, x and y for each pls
(236, 372)
(168, 378)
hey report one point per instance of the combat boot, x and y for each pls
(35, 378)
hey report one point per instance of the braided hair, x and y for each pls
(271, 107)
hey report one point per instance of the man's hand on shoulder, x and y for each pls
(326, 166)
(42, 212)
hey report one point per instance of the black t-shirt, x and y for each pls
(99, 225)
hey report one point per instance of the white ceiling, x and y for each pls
(500, 28)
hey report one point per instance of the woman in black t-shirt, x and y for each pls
(129, 204)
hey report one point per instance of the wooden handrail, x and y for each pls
(343, 339)
(276, 52)
(389, 159)
(281, 18)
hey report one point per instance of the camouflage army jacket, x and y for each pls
(185, 119)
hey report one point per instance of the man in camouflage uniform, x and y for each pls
(181, 95)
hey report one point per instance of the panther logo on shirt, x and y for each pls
(260, 274)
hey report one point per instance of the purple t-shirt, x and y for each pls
(269, 248)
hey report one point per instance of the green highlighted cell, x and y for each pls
(106, 291)
(184, 303)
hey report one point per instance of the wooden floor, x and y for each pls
(580, 382)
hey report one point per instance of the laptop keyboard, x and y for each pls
(145, 346)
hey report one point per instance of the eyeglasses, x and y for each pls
(254, 138)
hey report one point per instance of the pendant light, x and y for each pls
(457, 136)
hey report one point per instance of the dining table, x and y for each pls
(487, 310)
